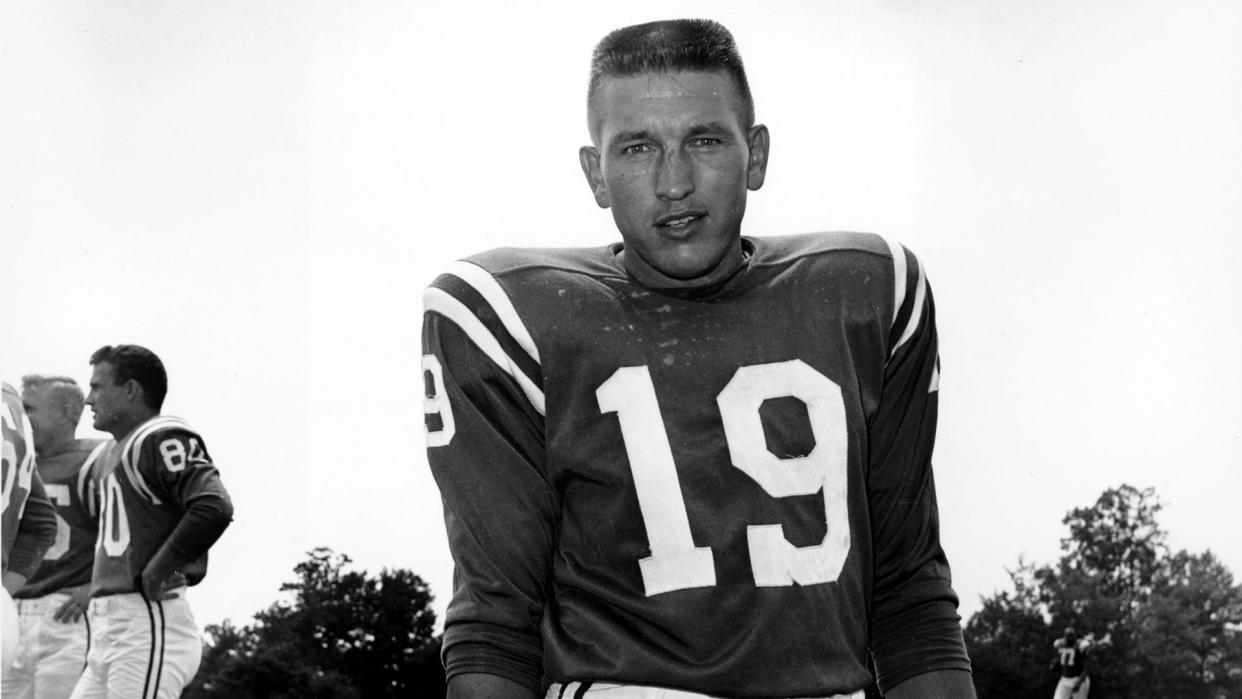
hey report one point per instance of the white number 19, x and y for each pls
(675, 562)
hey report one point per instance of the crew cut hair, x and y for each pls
(667, 46)
(63, 389)
(141, 365)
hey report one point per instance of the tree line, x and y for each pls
(1160, 623)
(339, 634)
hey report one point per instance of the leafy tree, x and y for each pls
(1010, 641)
(1162, 624)
(1104, 577)
(1183, 641)
(1116, 545)
(339, 633)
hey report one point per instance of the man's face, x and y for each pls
(107, 400)
(48, 419)
(674, 160)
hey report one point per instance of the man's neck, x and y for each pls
(130, 423)
(650, 276)
(57, 445)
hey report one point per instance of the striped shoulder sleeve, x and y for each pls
(468, 296)
(86, 485)
(909, 295)
(174, 457)
(912, 305)
(18, 456)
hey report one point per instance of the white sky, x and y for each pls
(259, 191)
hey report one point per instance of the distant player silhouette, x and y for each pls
(1072, 659)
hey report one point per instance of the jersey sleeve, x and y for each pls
(484, 429)
(36, 532)
(176, 460)
(915, 627)
(28, 525)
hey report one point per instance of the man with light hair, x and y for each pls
(52, 604)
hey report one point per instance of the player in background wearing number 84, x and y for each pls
(162, 507)
(692, 463)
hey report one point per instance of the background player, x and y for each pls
(691, 463)
(28, 527)
(52, 603)
(27, 520)
(1072, 660)
(162, 507)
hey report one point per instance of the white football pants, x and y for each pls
(51, 654)
(140, 649)
(1065, 688)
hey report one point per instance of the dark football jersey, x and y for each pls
(27, 522)
(17, 464)
(67, 481)
(146, 482)
(726, 491)
(1071, 656)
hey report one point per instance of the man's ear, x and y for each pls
(757, 166)
(133, 391)
(588, 157)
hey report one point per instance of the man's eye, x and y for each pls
(703, 141)
(636, 149)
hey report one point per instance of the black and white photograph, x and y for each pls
(648, 349)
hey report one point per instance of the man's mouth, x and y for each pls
(679, 220)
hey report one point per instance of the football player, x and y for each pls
(27, 520)
(162, 506)
(1071, 658)
(692, 463)
(52, 604)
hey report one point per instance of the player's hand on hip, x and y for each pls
(153, 586)
(75, 607)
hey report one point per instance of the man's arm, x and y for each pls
(477, 685)
(201, 525)
(13, 582)
(942, 684)
(35, 534)
(915, 628)
(483, 409)
(195, 483)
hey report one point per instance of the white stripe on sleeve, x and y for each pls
(445, 304)
(487, 286)
(899, 275)
(916, 312)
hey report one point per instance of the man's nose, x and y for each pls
(675, 178)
